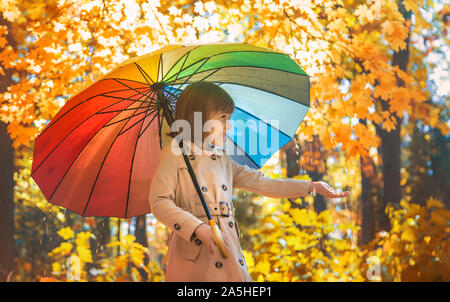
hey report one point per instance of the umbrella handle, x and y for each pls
(218, 239)
(215, 229)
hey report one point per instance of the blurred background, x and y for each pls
(377, 126)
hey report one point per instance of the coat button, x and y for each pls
(213, 157)
(198, 241)
(224, 187)
(218, 264)
(191, 156)
(177, 226)
(230, 224)
(241, 262)
(204, 189)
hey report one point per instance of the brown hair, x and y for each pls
(204, 97)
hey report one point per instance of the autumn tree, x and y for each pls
(358, 55)
(7, 167)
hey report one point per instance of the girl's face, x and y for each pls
(218, 134)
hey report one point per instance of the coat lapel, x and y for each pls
(196, 149)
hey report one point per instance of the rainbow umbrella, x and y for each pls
(97, 156)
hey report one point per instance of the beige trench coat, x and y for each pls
(174, 202)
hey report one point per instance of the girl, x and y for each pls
(192, 253)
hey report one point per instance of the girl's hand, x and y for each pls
(204, 233)
(324, 189)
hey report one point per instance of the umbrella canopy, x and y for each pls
(98, 154)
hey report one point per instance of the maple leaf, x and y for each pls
(400, 101)
(412, 5)
(396, 33)
(388, 122)
(364, 12)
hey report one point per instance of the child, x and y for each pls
(192, 253)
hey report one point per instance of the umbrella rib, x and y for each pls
(170, 99)
(174, 64)
(99, 171)
(162, 95)
(259, 67)
(159, 130)
(118, 97)
(60, 181)
(129, 117)
(120, 110)
(117, 80)
(153, 106)
(245, 153)
(137, 121)
(201, 58)
(204, 59)
(143, 71)
(239, 108)
(190, 76)
(88, 99)
(161, 64)
(199, 80)
(185, 59)
(71, 132)
(144, 74)
(140, 134)
(222, 53)
(132, 162)
(261, 89)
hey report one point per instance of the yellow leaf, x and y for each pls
(66, 233)
(413, 210)
(84, 254)
(129, 239)
(263, 267)
(432, 202)
(409, 234)
(324, 217)
(82, 238)
(440, 217)
(120, 262)
(396, 33)
(412, 5)
(302, 216)
(56, 267)
(63, 249)
(249, 259)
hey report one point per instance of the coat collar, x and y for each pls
(208, 149)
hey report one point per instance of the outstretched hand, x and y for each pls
(324, 189)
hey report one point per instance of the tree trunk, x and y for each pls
(6, 204)
(390, 142)
(368, 227)
(7, 169)
(320, 204)
(368, 185)
(141, 237)
(103, 234)
(292, 166)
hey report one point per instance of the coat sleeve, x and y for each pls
(254, 180)
(162, 196)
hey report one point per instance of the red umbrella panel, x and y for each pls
(93, 157)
